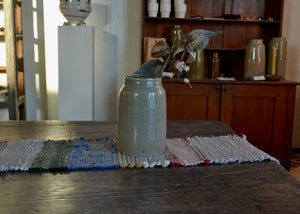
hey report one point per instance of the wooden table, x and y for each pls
(261, 187)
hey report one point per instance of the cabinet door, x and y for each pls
(261, 112)
(201, 102)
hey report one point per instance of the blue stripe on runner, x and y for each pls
(93, 154)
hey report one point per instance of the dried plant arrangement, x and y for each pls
(178, 55)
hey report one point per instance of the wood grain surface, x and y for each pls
(260, 187)
(68, 130)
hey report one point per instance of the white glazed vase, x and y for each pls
(75, 11)
(142, 116)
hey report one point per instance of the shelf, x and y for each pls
(21, 100)
(3, 104)
(209, 20)
(2, 69)
(19, 37)
(237, 81)
(14, 64)
(226, 49)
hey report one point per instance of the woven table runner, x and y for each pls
(34, 155)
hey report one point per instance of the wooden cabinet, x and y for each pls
(263, 111)
(208, 14)
(201, 102)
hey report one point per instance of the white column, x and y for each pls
(76, 73)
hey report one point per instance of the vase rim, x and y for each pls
(141, 77)
(142, 81)
(255, 40)
(279, 38)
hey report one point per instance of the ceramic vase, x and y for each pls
(152, 8)
(255, 59)
(180, 8)
(142, 116)
(75, 11)
(165, 9)
(197, 67)
(277, 58)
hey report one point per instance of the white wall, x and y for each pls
(291, 31)
(34, 60)
(117, 51)
(52, 19)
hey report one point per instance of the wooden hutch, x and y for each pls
(261, 110)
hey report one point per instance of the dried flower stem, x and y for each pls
(167, 60)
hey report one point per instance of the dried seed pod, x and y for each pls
(160, 49)
(182, 54)
(149, 68)
(198, 39)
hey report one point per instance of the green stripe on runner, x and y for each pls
(53, 156)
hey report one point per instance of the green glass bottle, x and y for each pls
(176, 33)
(277, 58)
(197, 67)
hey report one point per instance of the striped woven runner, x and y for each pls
(102, 154)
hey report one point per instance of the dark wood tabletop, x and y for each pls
(259, 187)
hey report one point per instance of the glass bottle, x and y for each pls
(176, 33)
(277, 58)
(215, 65)
(196, 71)
(255, 59)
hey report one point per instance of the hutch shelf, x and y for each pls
(208, 14)
(14, 66)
